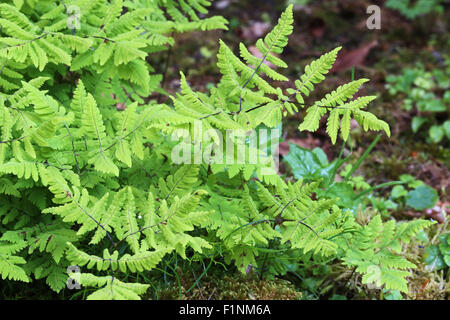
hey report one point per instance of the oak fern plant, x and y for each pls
(85, 185)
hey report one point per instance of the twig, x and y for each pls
(166, 67)
(73, 148)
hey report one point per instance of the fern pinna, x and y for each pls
(85, 185)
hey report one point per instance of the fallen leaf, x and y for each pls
(349, 59)
(306, 143)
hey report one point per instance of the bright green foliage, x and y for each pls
(428, 94)
(105, 47)
(416, 194)
(422, 198)
(335, 101)
(138, 262)
(244, 99)
(184, 16)
(253, 107)
(412, 9)
(437, 256)
(111, 288)
(375, 252)
(83, 184)
(64, 144)
(298, 211)
(9, 263)
(284, 213)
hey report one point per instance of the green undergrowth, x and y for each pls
(233, 287)
(95, 200)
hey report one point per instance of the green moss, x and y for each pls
(235, 287)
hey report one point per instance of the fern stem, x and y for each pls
(261, 274)
(253, 74)
(166, 67)
(73, 148)
(382, 185)
(248, 224)
(95, 220)
(201, 276)
(362, 158)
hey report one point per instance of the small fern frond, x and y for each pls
(314, 74)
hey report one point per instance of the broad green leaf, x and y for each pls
(436, 133)
(434, 258)
(342, 190)
(309, 165)
(417, 122)
(421, 198)
(398, 192)
(446, 127)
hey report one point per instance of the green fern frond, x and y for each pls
(110, 288)
(9, 263)
(374, 251)
(335, 103)
(314, 74)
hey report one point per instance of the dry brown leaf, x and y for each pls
(349, 59)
